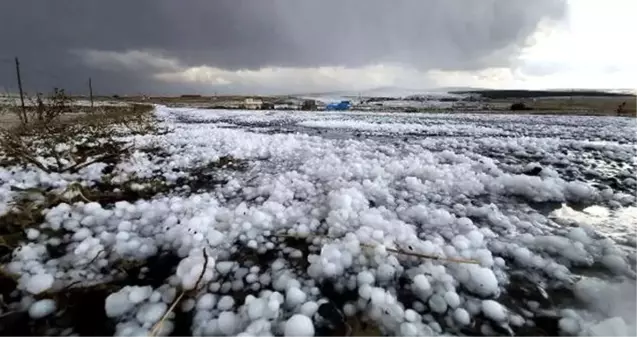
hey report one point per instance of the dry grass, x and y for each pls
(575, 104)
(74, 143)
(207, 102)
(193, 99)
(9, 120)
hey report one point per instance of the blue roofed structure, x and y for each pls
(340, 106)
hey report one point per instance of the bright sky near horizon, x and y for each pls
(594, 48)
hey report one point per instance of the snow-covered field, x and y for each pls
(532, 220)
(429, 104)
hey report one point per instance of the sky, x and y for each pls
(306, 46)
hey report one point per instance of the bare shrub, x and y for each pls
(66, 145)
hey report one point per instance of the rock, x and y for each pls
(534, 171)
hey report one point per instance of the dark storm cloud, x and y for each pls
(247, 34)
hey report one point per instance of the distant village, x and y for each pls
(577, 102)
(414, 103)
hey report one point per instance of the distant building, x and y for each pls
(309, 105)
(285, 106)
(267, 106)
(252, 103)
(342, 105)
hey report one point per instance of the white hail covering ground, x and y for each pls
(436, 193)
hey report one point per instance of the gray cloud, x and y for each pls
(49, 36)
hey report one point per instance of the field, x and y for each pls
(575, 105)
(194, 100)
(232, 222)
(603, 104)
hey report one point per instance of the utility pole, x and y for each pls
(17, 69)
(90, 90)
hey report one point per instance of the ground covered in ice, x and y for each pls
(297, 224)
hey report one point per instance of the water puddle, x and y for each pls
(619, 225)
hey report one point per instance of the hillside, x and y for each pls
(503, 94)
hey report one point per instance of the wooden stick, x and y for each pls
(424, 256)
(155, 330)
(397, 251)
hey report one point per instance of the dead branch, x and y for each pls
(155, 330)
(396, 251)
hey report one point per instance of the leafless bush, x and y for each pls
(59, 150)
(42, 109)
(57, 104)
(66, 145)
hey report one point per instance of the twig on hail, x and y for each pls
(396, 251)
(157, 327)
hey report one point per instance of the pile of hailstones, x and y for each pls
(287, 303)
(292, 307)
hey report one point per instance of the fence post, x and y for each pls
(17, 70)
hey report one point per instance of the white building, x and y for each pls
(253, 104)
